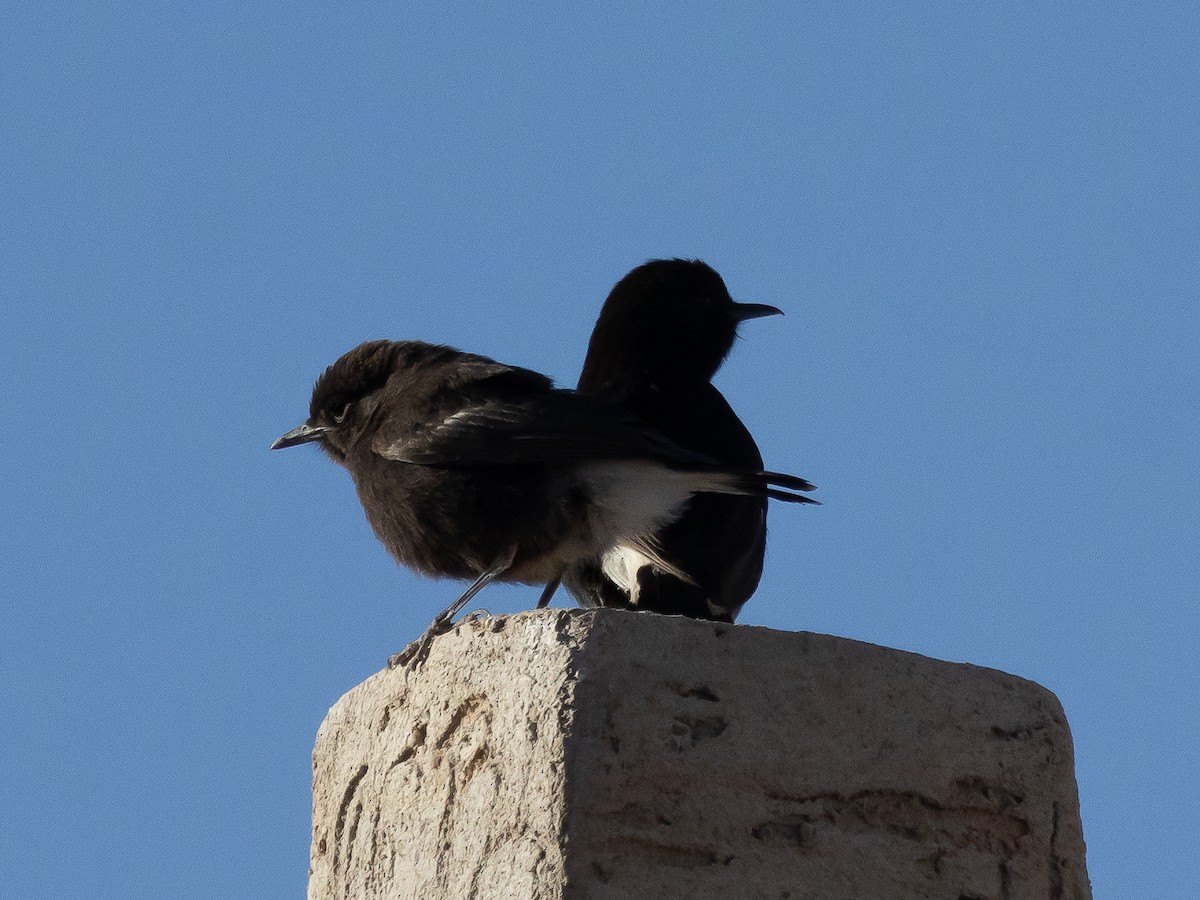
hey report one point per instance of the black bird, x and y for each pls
(469, 468)
(663, 332)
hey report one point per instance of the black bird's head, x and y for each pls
(672, 318)
(344, 399)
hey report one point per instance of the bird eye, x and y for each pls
(341, 417)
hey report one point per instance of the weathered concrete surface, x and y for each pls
(605, 754)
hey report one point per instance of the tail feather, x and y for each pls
(791, 498)
(793, 482)
(776, 485)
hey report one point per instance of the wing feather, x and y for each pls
(558, 426)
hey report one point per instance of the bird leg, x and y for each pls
(416, 652)
(548, 591)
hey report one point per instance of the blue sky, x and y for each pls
(982, 223)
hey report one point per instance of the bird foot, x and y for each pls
(414, 655)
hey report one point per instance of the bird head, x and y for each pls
(675, 314)
(344, 398)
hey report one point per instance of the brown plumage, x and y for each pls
(469, 468)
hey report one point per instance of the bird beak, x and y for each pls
(302, 435)
(744, 311)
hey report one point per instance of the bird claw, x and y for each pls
(414, 655)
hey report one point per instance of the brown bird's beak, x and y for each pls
(303, 435)
(744, 311)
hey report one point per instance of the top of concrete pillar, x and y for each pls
(605, 754)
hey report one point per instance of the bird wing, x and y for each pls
(558, 426)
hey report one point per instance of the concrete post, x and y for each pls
(607, 754)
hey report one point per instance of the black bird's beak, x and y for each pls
(304, 434)
(744, 311)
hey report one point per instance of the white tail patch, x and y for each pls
(634, 500)
(620, 564)
(639, 497)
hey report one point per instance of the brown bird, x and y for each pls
(469, 468)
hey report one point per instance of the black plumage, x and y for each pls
(661, 336)
(469, 468)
